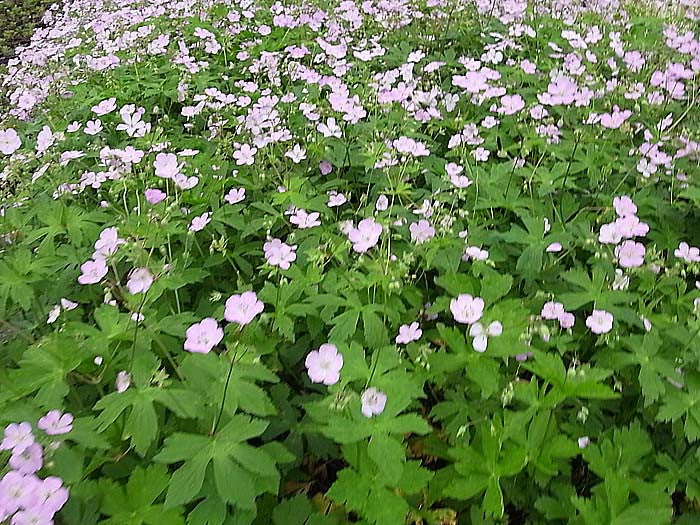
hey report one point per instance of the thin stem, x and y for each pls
(215, 426)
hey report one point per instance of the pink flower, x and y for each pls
(245, 155)
(305, 220)
(631, 254)
(166, 165)
(583, 442)
(600, 322)
(154, 196)
(624, 206)
(373, 402)
(44, 140)
(235, 195)
(107, 244)
(408, 333)
(199, 222)
(139, 281)
(421, 231)
(297, 154)
(325, 167)
(243, 308)
(552, 310)
(324, 364)
(105, 107)
(18, 491)
(365, 236)
(615, 119)
(93, 127)
(554, 247)
(54, 423)
(279, 254)
(29, 460)
(18, 437)
(467, 309)
(33, 516)
(203, 336)
(51, 494)
(336, 199)
(609, 234)
(93, 271)
(566, 320)
(474, 253)
(122, 382)
(9, 141)
(511, 104)
(687, 253)
(523, 356)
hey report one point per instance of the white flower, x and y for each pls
(481, 335)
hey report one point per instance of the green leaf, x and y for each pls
(187, 480)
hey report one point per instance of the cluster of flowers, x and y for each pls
(241, 309)
(630, 254)
(25, 498)
(94, 270)
(324, 365)
(468, 310)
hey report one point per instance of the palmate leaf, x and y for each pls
(141, 424)
(236, 466)
(134, 504)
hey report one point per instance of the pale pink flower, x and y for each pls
(140, 280)
(105, 107)
(511, 104)
(29, 460)
(305, 220)
(624, 206)
(166, 165)
(279, 254)
(408, 333)
(44, 140)
(324, 365)
(199, 222)
(9, 141)
(467, 309)
(55, 424)
(93, 127)
(600, 322)
(154, 196)
(365, 236)
(336, 199)
(122, 382)
(297, 154)
(93, 271)
(630, 254)
(108, 243)
(18, 437)
(554, 247)
(245, 155)
(687, 253)
(382, 203)
(243, 308)
(421, 231)
(325, 167)
(203, 336)
(552, 310)
(235, 195)
(566, 320)
(373, 402)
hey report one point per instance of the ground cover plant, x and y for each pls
(384, 262)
